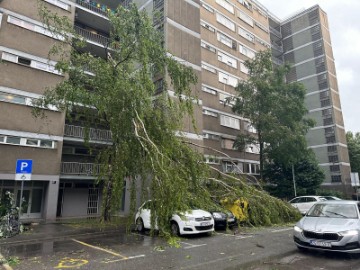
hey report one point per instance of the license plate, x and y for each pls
(231, 220)
(205, 223)
(320, 244)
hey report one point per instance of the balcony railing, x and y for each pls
(275, 32)
(94, 134)
(93, 6)
(75, 168)
(277, 61)
(88, 35)
(277, 47)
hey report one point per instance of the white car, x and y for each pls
(191, 222)
(304, 203)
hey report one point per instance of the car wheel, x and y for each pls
(140, 225)
(175, 228)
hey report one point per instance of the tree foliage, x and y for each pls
(118, 90)
(275, 108)
(353, 142)
(308, 177)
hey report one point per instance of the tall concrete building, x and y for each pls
(214, 37)
(304, 41)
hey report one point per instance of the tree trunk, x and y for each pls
(107, 201)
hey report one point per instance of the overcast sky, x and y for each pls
(344, 20)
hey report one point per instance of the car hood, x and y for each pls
(325, 224)
(197, 213)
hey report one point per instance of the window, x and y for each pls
(207, 7)
(332, 149)
(230, 61)
(243, 68)
(225, 40)
(232, 167)
(208, 47)
(208, 68)
(334, 158)
(224, 98)
(211, 136)
(29, 62)
(250, 127)
(227, 144)
(33, 27)
(326, 112)
(246, 34)
(5, 139)
(229, 122)
(246, 18)
(227, 79)
(246, 51)
(225, 21)
(32, 142)
(252, 148)
(336, 178)
(246, 4)
(212, 160)
(207, 26)
(226, 5)
(59, 4)
(209, 90)
(210, 113)
(12, 98)
(254, 168)
(331, 139)
(335, 168)
(328, 121)
(325, 103)
(13, 140)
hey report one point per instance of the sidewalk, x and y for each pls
(56, 231)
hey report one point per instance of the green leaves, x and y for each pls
(275, 108)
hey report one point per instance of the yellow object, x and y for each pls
(239, 208)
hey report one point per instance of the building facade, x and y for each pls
(214, 37)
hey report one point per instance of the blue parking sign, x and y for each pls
(23, 169)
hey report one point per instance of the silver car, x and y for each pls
(331, 226)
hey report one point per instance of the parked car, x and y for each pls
(330, 225)
(191, 222)
(331, 198)
(304, 203)
(223, 219)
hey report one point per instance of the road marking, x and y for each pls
(71, 263)
(195, 246)
(101, 249)
(4, 263)
(282, 230)
(243, 236)
(128, 258)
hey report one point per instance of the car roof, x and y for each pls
(306, 196)
(339, 202)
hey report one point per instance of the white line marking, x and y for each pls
(128, 258)
(282, 230)
(195, 246)
(243, 236)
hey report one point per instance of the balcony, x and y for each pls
(93, 6)
(75, 168)
(91, 36)
(277, 47)
(275, 32)
(78, 132)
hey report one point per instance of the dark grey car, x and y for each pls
(330, 225)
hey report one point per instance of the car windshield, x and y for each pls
(333, 211)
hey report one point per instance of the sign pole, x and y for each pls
(21, 196)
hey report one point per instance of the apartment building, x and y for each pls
(214, 37)
(304, 41)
